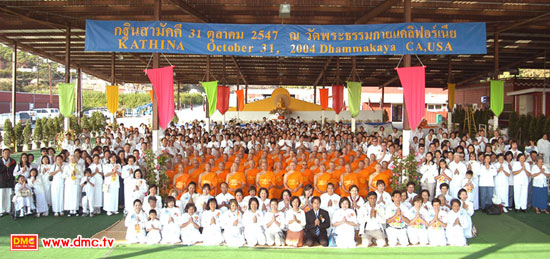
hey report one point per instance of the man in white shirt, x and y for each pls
(374, 148)
(543, 145)
(458, 172)
(372, 222)
(395, 218)
(224, 197)
(330, 200)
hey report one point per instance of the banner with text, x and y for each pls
(286, 40)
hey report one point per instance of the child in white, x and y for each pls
(169, 219)
(253, 231)
(468, 208)
(344, 222)
(438, 222)
(397, 221)
(135, 224)
(87, 184)
(37, 187)
(232, 225)
(456, 223)
(211, 224)
(417, 229)
(153, 227)
(23, 197)
(273, 222)
(469, 185)
(190, 224)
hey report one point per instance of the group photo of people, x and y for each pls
(282, 183)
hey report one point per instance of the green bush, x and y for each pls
(73, 124)
(18, 131)
(85, 123)
(38, 133)
(9, 136)
(49, 130)
(27, 133)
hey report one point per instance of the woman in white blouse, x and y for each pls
(211, 224)
(344, 223)
(232, 221)
(190, 224)
(521, 171)
(444, 176)
(428, 170)
(501, 180)
(44, 173)
(138, 186)
(253, 230)
(486, 174)
(111, 186)
(295, 220)
(540, 174)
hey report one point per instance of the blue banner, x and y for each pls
(286, 40)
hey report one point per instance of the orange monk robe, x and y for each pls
(235, 181)
(349, 180)
(278, 184)
(171, 174)
(387, 175)
(181, 184)
(363, 177)
(322, 182)
(212, 180)
(194, 175)
(265, 180)
(250, 178)
(335, 179)
(293, 180)
(307, 176)
(346, 158)
(384, 177)
(222, 176)
(355, 163)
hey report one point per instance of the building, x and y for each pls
(27, 101)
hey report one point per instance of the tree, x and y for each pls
(27, 134)
(18, 131)
(49, 131)
(513, 126)
(85, 123)
(38, 131)
(73, 124)
(8, 133)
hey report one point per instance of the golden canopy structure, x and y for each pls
(281, 100)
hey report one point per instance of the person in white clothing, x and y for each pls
(468, 207)
(44, 173)
(543, 145)
(521, 171)
(87, 186)
(344, 222)
(456, 223)
(127, 174)
(295, 220)
(169, 218)
(232, 223)
(253, 230)
(501, 181)
(211, 224)
(273, 222)
(57, 187)
(72, 172)
(428, 170)
(418, 226)
(190, 225)
(397, 221)
(97, 174)
(224, 197)
(437, 222)
(23, 200)
(372, 222)
(153, 228)
(135, 224)
(458, 172)
(111, 186)
(138, 186)
(486, 174)
(35, 183)
(152, 200)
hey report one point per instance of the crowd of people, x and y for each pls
(282, 182)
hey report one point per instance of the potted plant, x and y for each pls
(38, 132)
(85, 123)
(18, 135)
(8, 134)
(48, 132)
(27, 136)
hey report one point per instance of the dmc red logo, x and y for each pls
(24, 242)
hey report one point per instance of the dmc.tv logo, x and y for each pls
(24, 242)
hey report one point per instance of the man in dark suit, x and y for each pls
(7, 181)
(317, 223)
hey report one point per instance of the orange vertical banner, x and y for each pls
(240, 100)
(323, 94)
(152, 95)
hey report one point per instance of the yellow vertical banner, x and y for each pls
(112, 98)
(451, 95)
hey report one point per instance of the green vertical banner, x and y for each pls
(211, 89)
(497, 96)
(354, 97)
(66, 99)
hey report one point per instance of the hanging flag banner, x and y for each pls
(66, 99)
(497, 96)
(152, 94)
(222, 103)
(451, 96)
(370, 105)
(163, 84)
(111, 91)
(240, 99)
(337, 98)
(286, 39)
(413, 81)
(211, 89)
(323, 94)
(354, 97)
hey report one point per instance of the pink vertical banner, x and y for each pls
(413, 80)
(337, 98)
(163, 83)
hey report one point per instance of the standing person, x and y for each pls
(44, 173)
(521, 170)
(487, 174)
(501, 181)
(397, 221)
(87, 186)
(253, 231)
(7, 181)
(543, 145)
(57, 187)
(35, 183)
(72, 172)
(127, 174)
(372, 222)
(295, 221)
(344, 222)
(458, 172)
(110, 186)
(540, 174)
(443, 177)
(317, 223)
(97, 173)
(428, 170)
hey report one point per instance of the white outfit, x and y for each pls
(110, 197)
(440, 181)
(39, 194)
(417, 231)
(253, 231)
(456, 179)
(57, 189)
(436, 234)
(127, 174)
(501, 183)
(295, 226)
(44, 173)
(469, 212)
(372, 227)
(455, 234)
(88, 199)
(190, 235)
(233, 234)
(158, 206)
(344, 233)
(21, 201)
(521, 184)
(274, 233)
(98, 181)
(429, 172)
(169, 218)
(153, 235)
(135, 234)
(138, 189)
(397, 230)
(211, 233)
(223, 198)
(72, 174)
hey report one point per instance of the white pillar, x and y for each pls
(322, 118)
(353, 125)
(66, 124)
(155, 141)
(450, 121)
(406, 142)
(495, 120)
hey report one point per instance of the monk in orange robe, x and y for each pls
(221, 173)
(181, 184)
(294, 181)
(250, 175)
(264, 179)
(320, 181)
(347, 179)
(210, 178)
(195, 171)
(235, 179)
(379, 175)
(363, 177)
(307, 175)
(335, 176)
(278, 180)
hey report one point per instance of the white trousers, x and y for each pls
(437, 237)
(520, 196)
(254, 236)
(5, 200)
(274, 238)
(418, 235)
(397, 236)
(88, 203)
